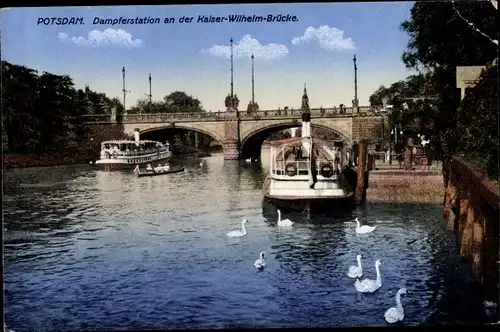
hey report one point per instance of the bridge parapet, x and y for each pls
(334, 112)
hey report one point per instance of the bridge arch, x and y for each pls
(251, 143)
(188, 127)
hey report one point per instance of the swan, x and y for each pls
(241, 232)
(284, 222)
(363, 229)
(260, 263)
(369, 285)
(356, 271)
(248, 160)
(396, 314)
(202, 163)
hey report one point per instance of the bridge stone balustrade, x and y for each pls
(237, 132)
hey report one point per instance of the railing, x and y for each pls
(279, 167)
(334, 112)
(380, 159)
(134, 153)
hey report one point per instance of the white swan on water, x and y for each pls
(241, 232)
(363, 229)
(369, 285)
(396, 314)
(260, 263)
(356, 271)
(284, 222)
(5, 329)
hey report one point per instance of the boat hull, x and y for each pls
(177, 170)
(125, 165)
(313, 205)
(321, 203)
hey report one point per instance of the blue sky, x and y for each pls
(192, 57)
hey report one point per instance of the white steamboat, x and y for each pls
(122, 154)
(307, 174)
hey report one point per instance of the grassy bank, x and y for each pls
(31, 160)
(47, 159)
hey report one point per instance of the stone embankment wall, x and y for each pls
(399, 186)
(471, 210)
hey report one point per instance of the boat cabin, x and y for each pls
(127, 148)
(290, 158)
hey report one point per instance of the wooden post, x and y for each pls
(360, 186)
(370, 162)
(407, 159)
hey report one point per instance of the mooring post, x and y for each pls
(371, 161)
(360, 185)
(407, 159)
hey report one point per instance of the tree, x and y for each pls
(116, 104)
(180, 102)
(441, 39)
(478, 143)
(40, 112)
(19, 99)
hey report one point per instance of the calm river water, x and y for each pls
(87, 249)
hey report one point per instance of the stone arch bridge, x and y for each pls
(242, 134)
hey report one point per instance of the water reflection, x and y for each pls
(108, 250)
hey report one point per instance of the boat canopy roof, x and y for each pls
(128, 142)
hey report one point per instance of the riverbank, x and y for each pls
(47, 159)
(40, 160)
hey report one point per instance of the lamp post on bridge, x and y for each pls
(150, 96)
(232, 101)
(355, 102)
(253, 87)
(232, 85)
(124, 92)
(252, 105)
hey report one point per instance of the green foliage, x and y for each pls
(439, 37)
(39, 110)
(440, 40)
(477, 123)
(175, 102)
(412, 105)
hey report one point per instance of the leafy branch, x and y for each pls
(495, 41)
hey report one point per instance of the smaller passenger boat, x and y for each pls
(123, 154)
(158, 170)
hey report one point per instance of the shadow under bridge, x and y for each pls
(180, 137)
